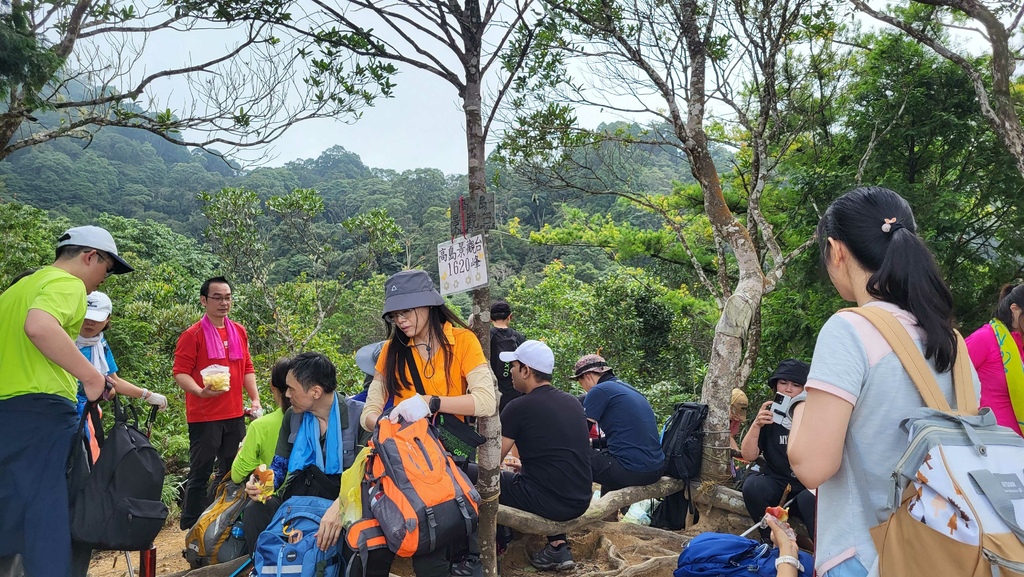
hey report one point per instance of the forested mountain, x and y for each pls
(139, 175)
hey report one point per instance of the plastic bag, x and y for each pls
(639, 513)
(351, 495)
(216, 377)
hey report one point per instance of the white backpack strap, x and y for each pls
(918, 368)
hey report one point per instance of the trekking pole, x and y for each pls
(756, 525)
(149, 422)
(128, 560)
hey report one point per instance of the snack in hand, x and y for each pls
(782, 514)
(217, 381)
(265, 479)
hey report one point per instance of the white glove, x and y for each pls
(411, 409)
(256, 413)
(155, 399)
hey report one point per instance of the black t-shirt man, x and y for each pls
(551, 433)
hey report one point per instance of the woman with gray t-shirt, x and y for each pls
(846, 439)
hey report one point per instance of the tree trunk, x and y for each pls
(9, 124)
(725, 365)
(725, 368)
(716, 496)
(489, 454)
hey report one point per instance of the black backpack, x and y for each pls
(502, 341)
(682, 441)
(118, 507)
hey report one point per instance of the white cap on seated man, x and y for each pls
(534, 354)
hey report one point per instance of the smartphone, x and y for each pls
(780, 408)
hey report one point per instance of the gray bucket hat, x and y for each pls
(410, 289)
(366, 357)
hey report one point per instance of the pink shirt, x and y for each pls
(988, 362)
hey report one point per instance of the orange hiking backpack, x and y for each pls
(421, 499)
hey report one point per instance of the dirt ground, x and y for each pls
(169, 544)
(600, 550)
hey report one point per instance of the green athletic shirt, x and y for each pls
(25, 370)
(258, 445)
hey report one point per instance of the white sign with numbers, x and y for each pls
(462, 264)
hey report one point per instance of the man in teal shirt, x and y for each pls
(40, 367)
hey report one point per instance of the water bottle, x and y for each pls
(233, 545)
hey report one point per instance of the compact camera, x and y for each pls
(780, 408)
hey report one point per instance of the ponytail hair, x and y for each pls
(278, 380)
(1009, 294)
(878, 227)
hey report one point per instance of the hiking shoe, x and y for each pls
(553, 558)
(469, 566)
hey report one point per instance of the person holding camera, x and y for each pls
(769, 436)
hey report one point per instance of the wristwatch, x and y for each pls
(435, 404)
(788, 560)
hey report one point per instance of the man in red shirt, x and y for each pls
(215, 423)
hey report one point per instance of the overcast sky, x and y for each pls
(422, 126)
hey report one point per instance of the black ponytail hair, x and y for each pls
(278, 377)
(1009, 294)
(878, 227)
(399, 354)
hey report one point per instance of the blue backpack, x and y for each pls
(722, 555)
(288, 545)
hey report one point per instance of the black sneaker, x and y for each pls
(469, 566)
(553, 558)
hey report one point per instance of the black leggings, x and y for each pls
(762, 491)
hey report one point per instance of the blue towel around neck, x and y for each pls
(307, 451)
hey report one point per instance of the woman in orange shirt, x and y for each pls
(429, 344)
(431, 363)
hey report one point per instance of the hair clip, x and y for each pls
(888, 224)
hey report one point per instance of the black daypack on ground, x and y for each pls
(682, 441)
(119, 506)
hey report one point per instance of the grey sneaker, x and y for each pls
(469, 566)
(553, 558)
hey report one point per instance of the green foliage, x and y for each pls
(26, 239)
(928, 142)
(24, 61)
(379, 235)
(649, 334)
(173, 484)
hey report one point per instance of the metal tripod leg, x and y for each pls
(128, 560)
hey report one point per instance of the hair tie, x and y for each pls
(891, 225)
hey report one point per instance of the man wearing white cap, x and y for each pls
(549, 429)
(40, 366)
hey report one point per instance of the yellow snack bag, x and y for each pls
(216, 377)
(265, 479)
